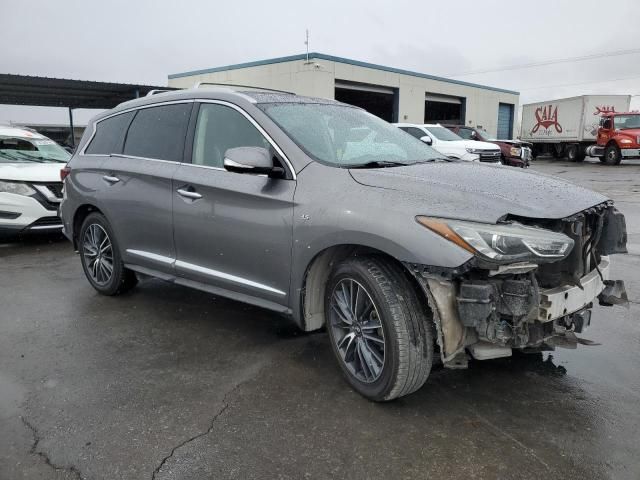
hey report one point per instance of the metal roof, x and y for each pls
(322, 56)
(62, 92)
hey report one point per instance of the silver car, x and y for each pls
(323, 212)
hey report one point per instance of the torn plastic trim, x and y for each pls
(418, 269)
(451, 334)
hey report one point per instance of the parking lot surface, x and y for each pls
(170, 383)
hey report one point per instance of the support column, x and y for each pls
(73, 135)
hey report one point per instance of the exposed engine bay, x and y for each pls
(490, 309)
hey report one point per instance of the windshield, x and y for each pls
(443, 134)
(42, 150)
(347, 137)
(624, 122)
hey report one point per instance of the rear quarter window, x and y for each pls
(109, 135)
(158, 132)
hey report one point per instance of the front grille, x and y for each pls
(55, 188)
(490, 156)
(48, 194)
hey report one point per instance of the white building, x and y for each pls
(392, 94)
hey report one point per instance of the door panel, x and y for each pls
(505, 121)
(238, 235)
(139, 208)
(137, 197)
(232, 230)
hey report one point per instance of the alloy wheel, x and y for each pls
(98, 254)
(357, 330)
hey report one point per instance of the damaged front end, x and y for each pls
(530, 285)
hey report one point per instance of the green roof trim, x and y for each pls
(331, 58)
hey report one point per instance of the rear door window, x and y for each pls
(109, 135)
(158, 132)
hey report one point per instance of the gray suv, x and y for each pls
(323, 212)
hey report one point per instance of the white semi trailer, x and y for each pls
(568, 126)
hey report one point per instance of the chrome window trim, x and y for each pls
(206, 271)
(262, 131)
(121, 155)
(93, 132)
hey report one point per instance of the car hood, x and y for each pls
(482, 193)
(463, 144)
(632, 132)
(31, 172)
(518, 143)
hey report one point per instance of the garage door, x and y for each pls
(443, 109)
(379, 100)
(505, 121)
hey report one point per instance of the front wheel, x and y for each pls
(100, 256)
(612, 155)
(379, 329)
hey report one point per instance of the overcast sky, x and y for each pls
(142, 41)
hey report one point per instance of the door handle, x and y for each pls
(110, 179)
(188, 194)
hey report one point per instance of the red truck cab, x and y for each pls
(618, 137)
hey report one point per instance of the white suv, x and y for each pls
(452, 145)
(30, 185)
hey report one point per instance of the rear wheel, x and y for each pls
(612, 155)
(378, 328)
(575, 153)
(100, 257)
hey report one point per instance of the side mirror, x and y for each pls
(255, 160)
(426, 139)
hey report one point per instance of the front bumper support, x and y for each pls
(567, 299)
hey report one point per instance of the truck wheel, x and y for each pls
(612, 155)
(571, 152)
(378, 328)
(100, 257)
(557, 150)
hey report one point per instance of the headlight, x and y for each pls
(515, 151)
(502, 243)
(477, 151)
(17, 188)
(626, 140)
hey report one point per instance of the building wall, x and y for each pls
(317, 78)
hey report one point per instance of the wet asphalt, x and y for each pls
(170, 383)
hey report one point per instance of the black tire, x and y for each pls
(406, 328)
(557, 150)
(571, 152)
(121, 279)
(612, 155)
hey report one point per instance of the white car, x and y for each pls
(453, 146)
(30, 185)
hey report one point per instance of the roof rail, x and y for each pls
(156, 91)
(199, 84)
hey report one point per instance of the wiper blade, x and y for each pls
(377, 164)
(437, 159)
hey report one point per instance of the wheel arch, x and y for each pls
(317, 272)
(82, 212)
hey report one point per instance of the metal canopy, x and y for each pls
(62, 92)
